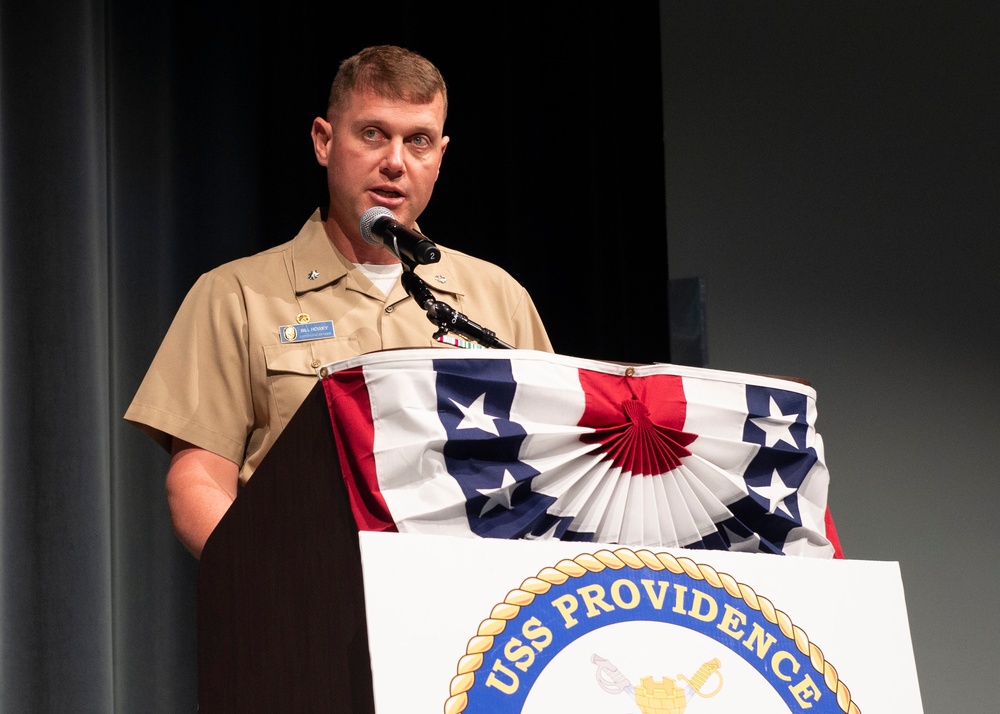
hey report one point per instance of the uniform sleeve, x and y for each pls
(528, 327)
(197, 387)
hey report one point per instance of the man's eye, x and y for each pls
(421, 142)
(370, 133)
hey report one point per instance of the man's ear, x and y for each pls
(444, 145)
(321, 134)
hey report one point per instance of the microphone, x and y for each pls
(379, 227)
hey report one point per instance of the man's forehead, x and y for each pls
(370, 107)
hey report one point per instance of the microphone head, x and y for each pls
(368, 219)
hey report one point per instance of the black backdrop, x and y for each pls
(555, 168)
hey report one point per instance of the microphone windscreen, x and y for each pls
(368, 219)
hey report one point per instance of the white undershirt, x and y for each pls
(383, 277)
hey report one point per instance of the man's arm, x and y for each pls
(201, 486)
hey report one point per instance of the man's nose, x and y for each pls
(393, 160)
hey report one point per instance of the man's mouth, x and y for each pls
(386, 194)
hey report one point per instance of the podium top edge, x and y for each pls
(399, 356)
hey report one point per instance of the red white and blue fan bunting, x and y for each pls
(525, 444)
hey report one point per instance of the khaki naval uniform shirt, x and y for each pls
(224, 380)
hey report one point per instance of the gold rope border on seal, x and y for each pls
(503, 612)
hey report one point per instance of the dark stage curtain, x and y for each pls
(144, 143)
(98, 599)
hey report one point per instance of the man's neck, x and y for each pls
(356, 250)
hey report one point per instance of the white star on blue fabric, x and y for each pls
(740, 543)
(550, 534)
(775, 494)
(474, 416)
(777, 426)
(501, 496)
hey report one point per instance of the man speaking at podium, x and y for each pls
(244, 348)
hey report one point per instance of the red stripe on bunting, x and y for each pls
(638, 420)
(831, 535)
(351, 415)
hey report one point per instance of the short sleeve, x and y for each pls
(198, 386)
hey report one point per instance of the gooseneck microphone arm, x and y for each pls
(379, 227)
(447, 318)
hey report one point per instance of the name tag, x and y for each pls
(306, 332)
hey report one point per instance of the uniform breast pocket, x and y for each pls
(292, 370)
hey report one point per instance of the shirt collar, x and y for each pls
(441, 277)
(317, 263)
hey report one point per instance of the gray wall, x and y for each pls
(832, 176)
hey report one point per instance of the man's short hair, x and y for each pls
(388, 71)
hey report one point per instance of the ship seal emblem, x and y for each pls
(559, 605)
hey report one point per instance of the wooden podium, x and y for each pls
(281, 616)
